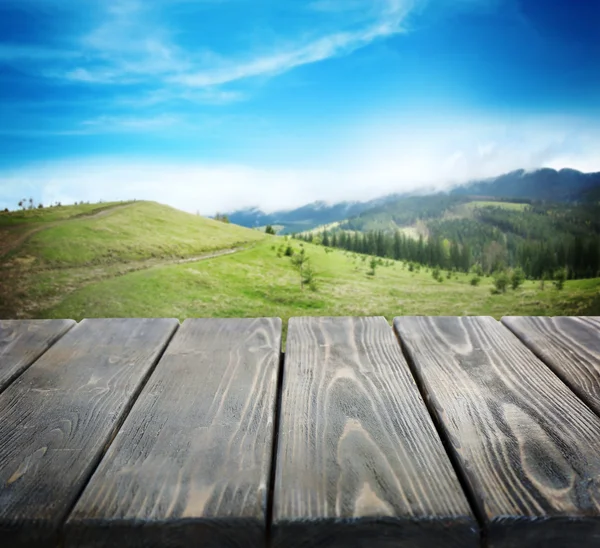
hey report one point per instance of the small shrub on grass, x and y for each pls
(501, 281)
(517, 278)
(559, 279)
(477, 269)
(373, 264)
(310, 276)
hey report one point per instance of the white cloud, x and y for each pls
(389, 158)
(206, 96)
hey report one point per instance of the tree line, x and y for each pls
(492, 252)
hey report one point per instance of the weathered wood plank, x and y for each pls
(191, 464)
(528, 447)
(359, 461)
(24, 341)
(570, 346)
(59, 415)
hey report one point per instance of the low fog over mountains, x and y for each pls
(565, 185)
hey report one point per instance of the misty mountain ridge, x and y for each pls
(545, 184)
(305, 217)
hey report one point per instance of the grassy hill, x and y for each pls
(126, 232)
(256, 282)
(145, 259)
(48, 253)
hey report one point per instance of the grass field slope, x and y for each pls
(144, 259)
(125, 232)
(54, 250)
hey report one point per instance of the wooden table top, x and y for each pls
(437, 432)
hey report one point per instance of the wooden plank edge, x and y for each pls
(206, 532)
(61, 542)
(528, 343)
(378, 532)
(463, 479)
(560, 531)
(9, 380)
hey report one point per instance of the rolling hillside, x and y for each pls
(121, 232)
(145, 259)
(50, 251)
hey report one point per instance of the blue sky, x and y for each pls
(218, 104)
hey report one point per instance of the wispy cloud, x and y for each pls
(206, 96)
(108, 125)
(120, 124)
(332, 45)
(132, 45)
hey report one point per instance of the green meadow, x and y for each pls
(148, 260)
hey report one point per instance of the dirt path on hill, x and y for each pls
(9, 242)
(202, 257)
(16, 301)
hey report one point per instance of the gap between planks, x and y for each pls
(460, 473)
(126, 412)
(276, 422)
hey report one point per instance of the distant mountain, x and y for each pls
(566, 185)
(305, 217)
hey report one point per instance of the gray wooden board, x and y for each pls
(570, 346)
(359, 461)
(24, 341)
(529, 449)
(191, 464)
(57, 418)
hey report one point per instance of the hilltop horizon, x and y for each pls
(314, 204)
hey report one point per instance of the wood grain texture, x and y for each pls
(528, 447)
(191, 464)
(59, 415)
(24, 341)
(359, 462)
(570, 346)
